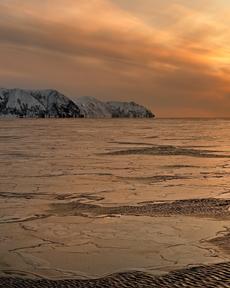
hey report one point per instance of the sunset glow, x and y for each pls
(172, 56)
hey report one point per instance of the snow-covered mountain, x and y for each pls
(51, 103)
(36, 103)
(92, 108)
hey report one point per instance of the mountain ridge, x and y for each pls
(48, 103)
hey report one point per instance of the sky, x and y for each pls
(171, 56)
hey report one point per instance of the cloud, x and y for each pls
(99, 47)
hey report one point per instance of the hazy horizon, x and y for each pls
(170, 56)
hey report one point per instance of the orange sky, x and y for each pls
(173, 56)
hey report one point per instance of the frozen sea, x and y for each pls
(55, 173)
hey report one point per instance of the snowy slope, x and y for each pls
(36, 103)
(90, 107)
